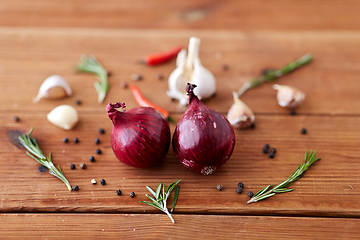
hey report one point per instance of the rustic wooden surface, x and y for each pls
(43, 38)
(156, 226)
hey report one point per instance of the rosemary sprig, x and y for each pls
(159, 199)
(90, 64)
(273, 74)
(34, 151)
(283, 187)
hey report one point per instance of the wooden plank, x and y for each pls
(28, 56)
(323, 191)
(146, 226)
(209, 14)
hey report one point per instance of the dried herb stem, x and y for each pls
(34, 151)
(283, 187)
(273, 74)
(159, 199)
(90, 64)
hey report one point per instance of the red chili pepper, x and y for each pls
(142, 101)
(157, 58)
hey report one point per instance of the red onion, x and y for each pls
(140, 136)
(203, 139)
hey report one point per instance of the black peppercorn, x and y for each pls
(266, 145)
(136, 77)
(252, 125)
(265, 150)
(220, 187)
(97, 141)
(75, 188)
(102, 182)
(160, 76)
(124, 85)
(132, 194)
(225, 67)
(16, 119)
(292, 113)
(76, 140)
(72, 166)
(118, 192)
(82, 165)
(101, 131)
(271, 155)
(250, 194)
(273, 150)
(78, 102)
(92, 159)
(43, 168)
(98, 151)
(239, 190)
(303, 131)
(240, 184)
(65, 140)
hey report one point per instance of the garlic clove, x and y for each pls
(288, 96)
(240, 115)
(181, 58)
(54, 87)
(190, 70)
(63, 116)
(205, 82)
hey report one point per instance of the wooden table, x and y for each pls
(41, 38)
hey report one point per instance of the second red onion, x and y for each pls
(203, 139)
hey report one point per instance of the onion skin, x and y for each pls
(203, 139)
(140, 136)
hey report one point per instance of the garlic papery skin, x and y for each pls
(240, 115)
(63, 116)
(288, 96)
(54, 87)
(190, 70)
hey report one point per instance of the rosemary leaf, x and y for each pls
(151, 191)
(263, 190)
(175, 198)
(171, 186)
(151, 198)
(158, 191)
(34, 151)
(283, 187)
(153, 205)
(282, 190)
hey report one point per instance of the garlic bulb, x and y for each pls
(63, 116)
(240, 115)
(190, 70)
(288, 96)
(54, 87)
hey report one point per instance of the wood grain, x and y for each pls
(29, 56)
(145, 226)
(323, 191)
(202, 14)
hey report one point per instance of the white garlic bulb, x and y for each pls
(240, 115)
(63, 116)
(54, 87)
(190, 70)
(288, 96)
